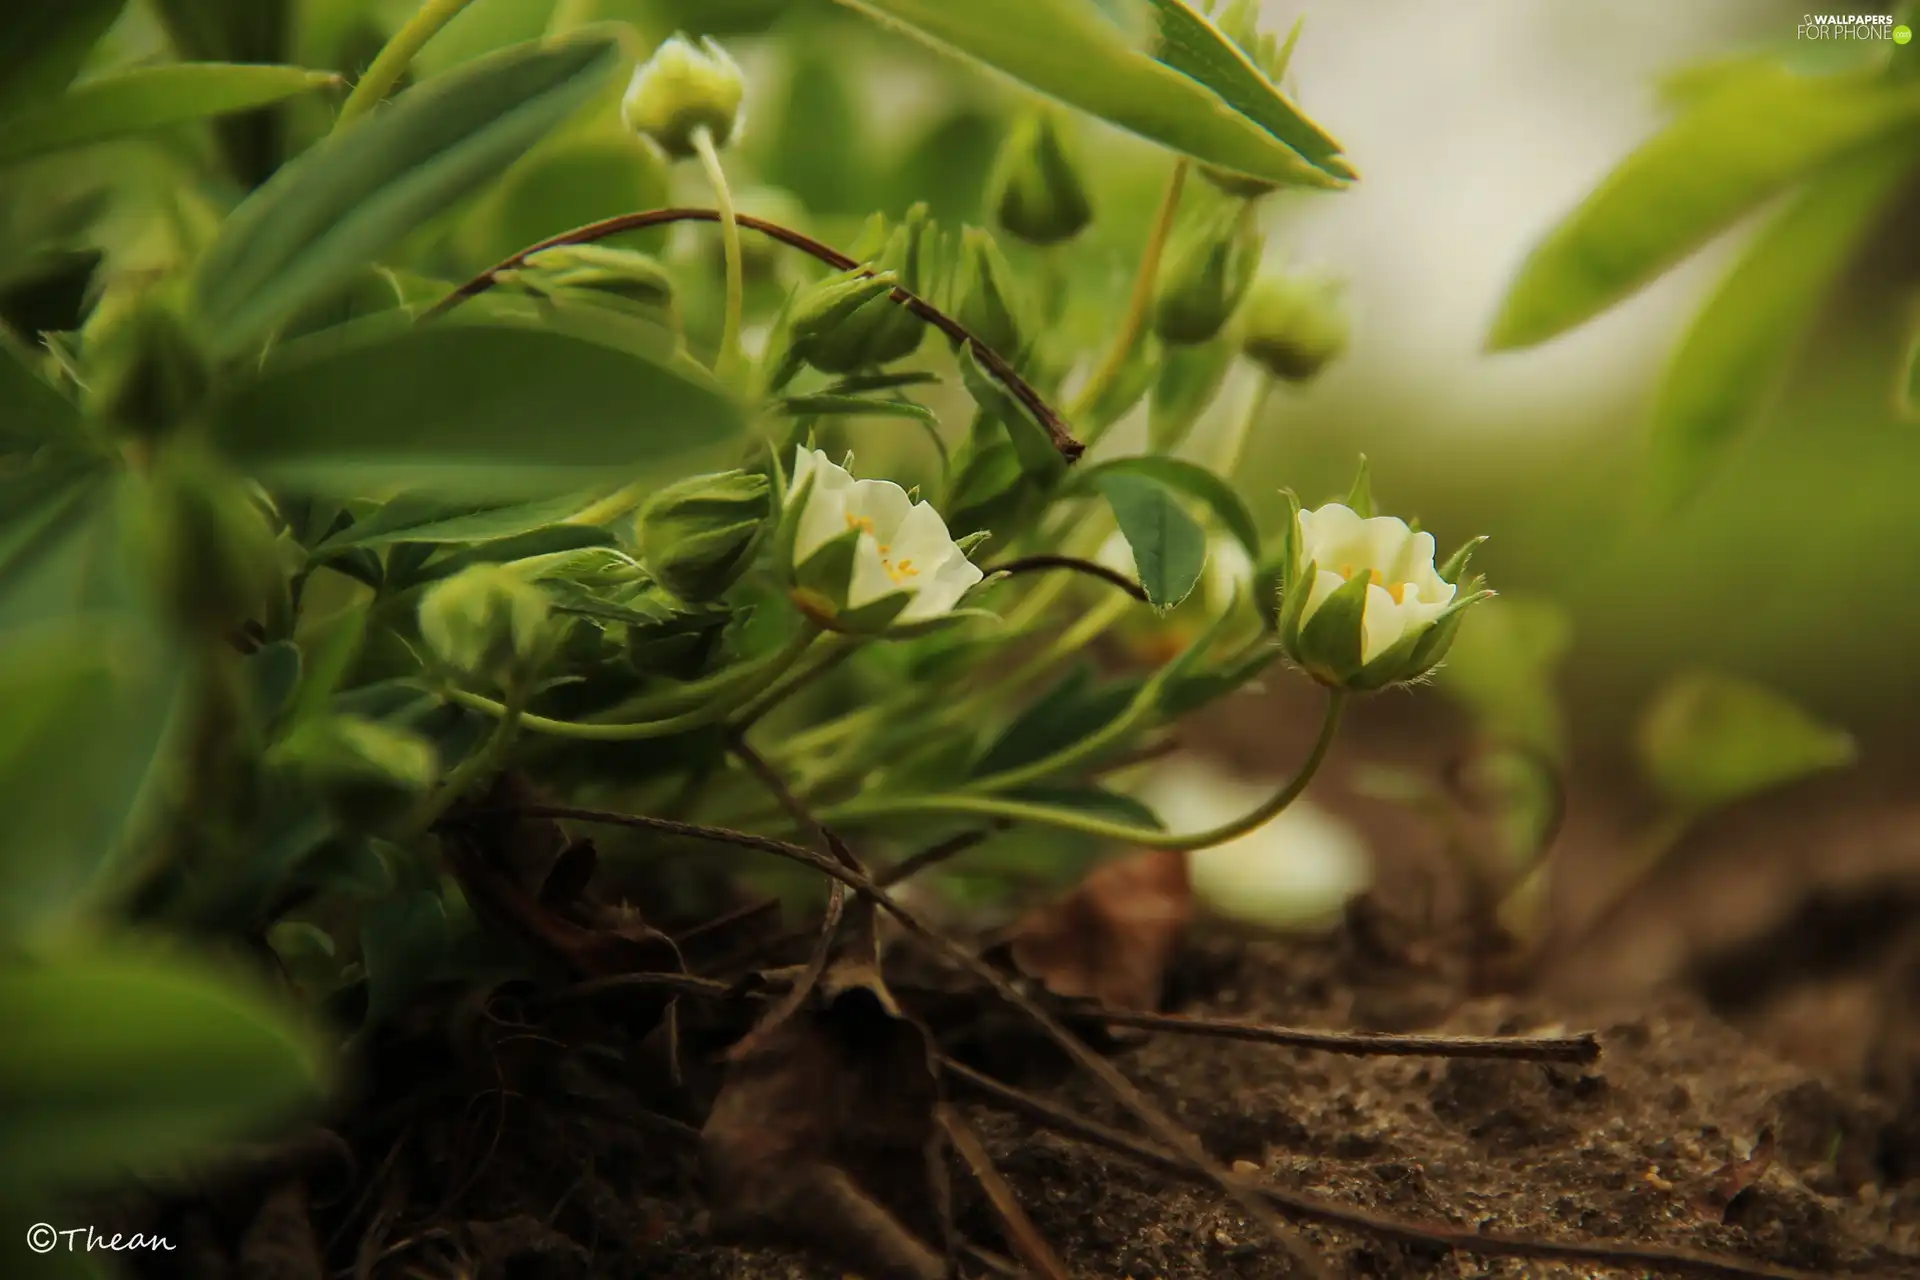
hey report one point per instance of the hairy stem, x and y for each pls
(727, 363)
(1134, 322)
(396, 56)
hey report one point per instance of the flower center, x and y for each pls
(899, 571)
(1398, 590)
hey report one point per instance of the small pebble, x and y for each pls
(1245, 1168)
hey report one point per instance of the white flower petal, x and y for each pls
(884, 506)
(870, 579)
(1384, 622)
(1325, 583)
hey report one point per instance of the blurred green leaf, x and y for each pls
(44, 42)
(565, 184)
(1169, 546)
(32, 412)
(1190, 43)
(1736, 354)
(948, 166)
(1067, 51)
(1189, 380)
(1191, 479)
(359, 193)
(1502, 667)
(1038, 457)
(487, 411)
(1709, 739)
(133, 1061)
(417, 518)
(89, 709)
(815, 147)
(1907, 394)
(1094, 801)
(1732, 150)
(148, 98)
(404, 941)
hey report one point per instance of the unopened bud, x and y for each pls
(623, 273)
(682, 89)
(1206, 276)
(487, 621)
(984, 296)
(1294, 327)
(698, 536)
(1037, 192)
(880, 331)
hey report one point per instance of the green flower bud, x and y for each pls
(213, 554)
(880, 331)
(1206, 275)
(369, 772)
(488, 621)
(1037, 194)
(682, 89)
(1293, 327)
(1362, 605)
(148, 373)
(984, 296)
(698, 536)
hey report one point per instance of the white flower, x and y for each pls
(1295, 872)
(1407, 594)
(903, 545)
(681, 89)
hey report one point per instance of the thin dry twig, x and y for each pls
(934, 855)
(1022, 1236)
(992, 361)
(1312, 1208)
(1123, 1090)
(1582, 1048)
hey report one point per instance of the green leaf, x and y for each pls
(1038, 457)
(127, 1061)
(404, 942)
(44, 42)
(417, 518)
(1709, 739)
(1072, 709)
(1690, 181)
(1193, 480)
(1093, 801)
(356, 195)
(32, 413)
(1190, 43)
(1907, 393)
(1065, 49)
(1735, 356)
(1169, 546)
(844, 406)
(90, 705)
(148, 98)
(485, 411)
(1187, 383)
(566, 183)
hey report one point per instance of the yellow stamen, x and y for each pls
(1397, 590)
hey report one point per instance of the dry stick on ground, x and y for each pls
(1109, 1076)
(1093, 569)
(1053, 1116)
(1022, 1236)
(992, 361)
(1582, 1048)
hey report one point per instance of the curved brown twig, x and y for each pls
(992, 361)
(1029, 564)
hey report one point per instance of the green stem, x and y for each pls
(396, 56)
(478, 765)
(707, 702)
(1134, 323)
(1235, 445)
(988, 806)
(727, 363)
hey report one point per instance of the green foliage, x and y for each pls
(1709, 739)
(1169, 546)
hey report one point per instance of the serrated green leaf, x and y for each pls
(1169, 546)
(44, 42)
(148, 98)
(1193, 480)
(484, 411)
(1709, 739)
(1068, 51)
(1732, 150)
(133, 1061)
(356, 195)
(1190, 43)
(1736, 354)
